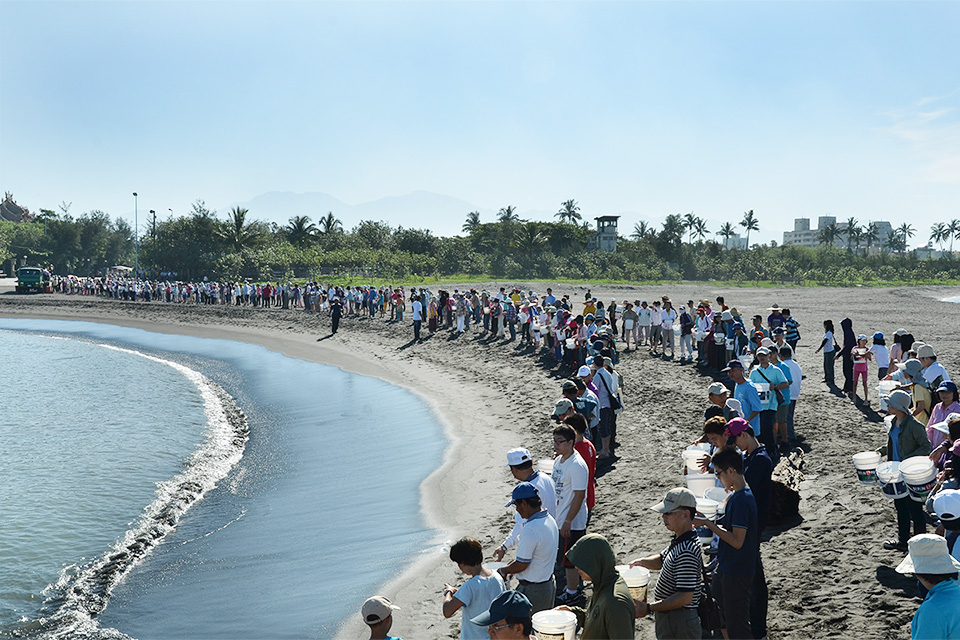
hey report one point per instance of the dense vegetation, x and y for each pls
(201, 244)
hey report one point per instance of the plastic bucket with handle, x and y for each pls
(637, 579)
(891, 481)
(920, 475)
(555, 625)
(866, 464)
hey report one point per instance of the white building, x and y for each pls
(804, 236)
(605, 237)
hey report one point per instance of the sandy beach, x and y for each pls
(828, 574)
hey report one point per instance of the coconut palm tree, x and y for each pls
(569, 212)
(329, 224)
(870, 235)
(700, 229)
(472, 223)
(508, 214)
(954, 229)
(829, 234)
(689, 222)
(300, 230)
(529, 240)
(850, 232)
(641, 231)
(939, 233)
(237, 232)
(750, 223)
(906, 232)
(727, 230)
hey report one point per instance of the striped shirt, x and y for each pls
(682, 569)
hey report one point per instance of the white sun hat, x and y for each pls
(929, 555)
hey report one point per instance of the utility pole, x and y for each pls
(136, 237)
(153, 225)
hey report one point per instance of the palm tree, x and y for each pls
(530, 240)
(954, 229)
(472, 223)
(700, 228)
(329, 224)
(689, 222)
(673, 228)
(569, 212)
(236, 232)
(829, 234)
(870, 235)
(750, 223)
(939, 233)
(850, 232)
(641, 231)
(508, 214)
(300, 230)
(893, 242)
(727, 231)
(906, 232)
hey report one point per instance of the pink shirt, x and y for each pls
(940, 414)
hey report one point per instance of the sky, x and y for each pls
(792, 109)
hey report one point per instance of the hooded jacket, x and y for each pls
(610, 613)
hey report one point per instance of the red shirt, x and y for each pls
(589, 454)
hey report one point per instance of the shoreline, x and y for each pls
(827, 574)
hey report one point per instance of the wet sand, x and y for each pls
(827, 572)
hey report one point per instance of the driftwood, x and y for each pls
(787, 476)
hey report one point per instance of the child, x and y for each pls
(880, 354)
(861, 356)
(474, 595)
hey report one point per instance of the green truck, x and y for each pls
(32, 279)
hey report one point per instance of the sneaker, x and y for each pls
(571, 599)
(894, 545)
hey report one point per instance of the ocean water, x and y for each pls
(145, 506)
(956, 299)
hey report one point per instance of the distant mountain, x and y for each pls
(444, 215)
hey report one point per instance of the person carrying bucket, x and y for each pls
(907, 438)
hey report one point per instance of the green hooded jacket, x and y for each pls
(610, 612)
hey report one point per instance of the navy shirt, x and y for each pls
(741, 513)
(758, 472)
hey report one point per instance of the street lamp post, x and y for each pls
(136, 237)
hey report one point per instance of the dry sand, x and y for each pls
(828, 574)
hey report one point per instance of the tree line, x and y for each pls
(201, 244)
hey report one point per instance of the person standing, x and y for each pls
(611, 611)
(746, 394)
(906, 438)
(336, 312)
(377, 612)
(796, 377)
(475, 595)
(677, 592)
(536, 551)
(846, 361)
(828, 345)
(738, 547)
(667, 317)
(416, 308)
(880, 354)
(521, 466)
(631, 320)
(792, 328)
(774, 379)
(570, 476)
(646, 318)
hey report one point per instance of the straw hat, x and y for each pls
(929, 555)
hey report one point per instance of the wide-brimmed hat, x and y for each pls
(926, 351)
(775, 307)
(899, 400)
(726, 315)
(734, 312)
(944, 427)
(913, 368)
(928, 555)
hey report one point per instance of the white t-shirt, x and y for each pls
(548, 498)
(881, 355)
(571, 475)
(417, 310)
(668, 316)
(476, 594)
(797, 374)
(656, 316)
(539, 540)
(828, 336)
(644, 314)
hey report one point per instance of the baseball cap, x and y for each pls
(568, 385)
(947, 505)
(716, 388)
(947, 385)
(522, 491)
(763, 351)
(733, 364)
(562, 406)
(676, 498)
(377, 609)
(878, 335)
(518, 456)
(736, 426)
(584, 371)
(778, 330)
(509, 604)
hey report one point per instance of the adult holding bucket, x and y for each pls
(677, 593)
(610, 613)
(906, 439)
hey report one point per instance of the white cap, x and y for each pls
(517, 456)
(377, 609)
(584, 371)
(946, 504)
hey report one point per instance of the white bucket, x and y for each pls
(555, 625)
(692, 458)
(920, 475)
(746, 361)
(763, 389)
(708, 508)
(496, 566)
(891, 481)
(719, 338)
(700, 482)
(545, 466)
(866, 463)
(718, 495)
(637, 579)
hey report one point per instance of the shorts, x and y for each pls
(565, 544)
(859, 373)
(782, 411)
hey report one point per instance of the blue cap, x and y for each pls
(778, 331)
(509, 604)
(589, 316)
(521, 492)
(733, 364)
(878, 335)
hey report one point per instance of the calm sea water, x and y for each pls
(132, 505)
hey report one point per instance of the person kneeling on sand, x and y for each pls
(939, 614)
(377, 612)
(611, 610)
(509, 617)
(677, 593)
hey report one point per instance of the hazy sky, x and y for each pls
(787, 108)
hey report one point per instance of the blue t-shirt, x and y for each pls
(749, 400)
(895, 439)
(476, 594)
(741, 513)
(758, 472)
(770, 376)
